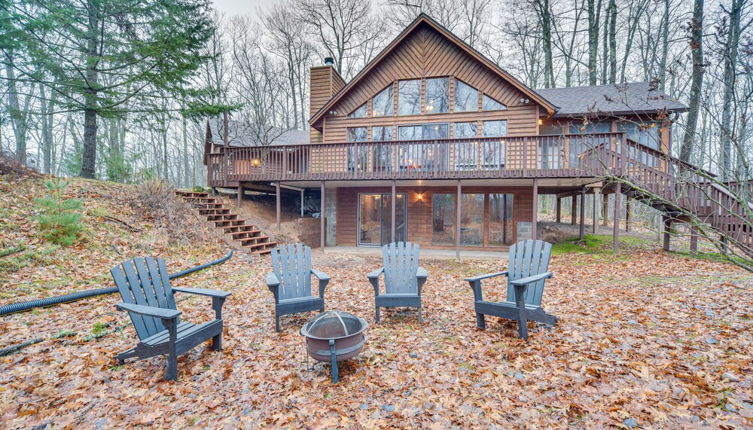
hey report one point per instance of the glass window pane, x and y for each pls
(500, 219)
(409, 132)
(370, 228)
(464, 130)
(466, 97)
(437, 95)
(496, 128)
(465, 155)
(357, 134)
(644, 133)
(435, 131)
(472, 220)
(409, 97)
(491, 104)
(359, 113)
(443, 219)
(591, 127)
(383, 102)
(494, 155)
(381, 133)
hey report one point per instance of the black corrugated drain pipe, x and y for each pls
(49, 301)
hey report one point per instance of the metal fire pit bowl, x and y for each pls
(334, 336)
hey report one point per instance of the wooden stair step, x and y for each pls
(259, 245)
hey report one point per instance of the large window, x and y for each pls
(381, 133)
(497, 128)
(591, 127)
(382, 153)
(464, 130)
(500, 219)
(472, 220)
(383, 104)
(644, 133)
(360, 112)
(437, 95)
(357, 156)
(409, 97)
(491, 104)
(423, 132)
(443, 219)
(466, 97)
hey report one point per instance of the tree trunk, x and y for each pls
(730, 66)
(696, 49)
(664, 48)
(612, 12)
(546, 30)
(18, 118)
(594, 12)
(89, 156)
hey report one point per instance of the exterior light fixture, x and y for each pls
(541, 121)
(256, 162)
(524, 101)
(420, 197)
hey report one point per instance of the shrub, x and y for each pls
(59, 218)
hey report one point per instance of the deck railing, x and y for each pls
(483, 157)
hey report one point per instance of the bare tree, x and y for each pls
(695, 28)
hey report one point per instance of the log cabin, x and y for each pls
(433, 143)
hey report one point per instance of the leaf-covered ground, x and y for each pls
(645, 340)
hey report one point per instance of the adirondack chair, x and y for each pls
(403, 278)
(291, 281)
(526, 274)
(144, 286)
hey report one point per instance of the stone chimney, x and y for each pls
(324, 83)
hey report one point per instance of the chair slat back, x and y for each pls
(528, 258)
(144, 281)
(292, 265)
(400, 267)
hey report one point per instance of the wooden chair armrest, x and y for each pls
(421, 273)
(421, 276)
(375, 274)
(202, 292)
(320, 275)
(487, 276)
(531, 279)
(150, 311)
(273, 283)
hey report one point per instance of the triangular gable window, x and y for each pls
(466, 97)
(383, 103)
(360, 112)
(491, 104)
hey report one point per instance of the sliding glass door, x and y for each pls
(375, 219)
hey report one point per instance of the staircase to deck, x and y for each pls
(683, 191)
(247, 236)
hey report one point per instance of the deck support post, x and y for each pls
(574, 210)
(535, 209)
(693, 240)
(595, 214)
(559, 210)
(322, 233)
(616, 220)
(394, 203)
(582, 231)
(457, 219)
(277, 204)
(239, 194)
(605, 209)
(667, 228)
(627, 214)
(302, 195)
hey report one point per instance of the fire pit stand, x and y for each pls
(334, 336)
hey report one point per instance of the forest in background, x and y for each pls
(121, 90)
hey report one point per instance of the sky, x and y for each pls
(242, 7)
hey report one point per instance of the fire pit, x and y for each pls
(334, 336)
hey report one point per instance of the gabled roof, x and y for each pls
(614, 99)
(242, 134)
(425, 19)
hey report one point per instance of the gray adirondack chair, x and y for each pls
(526, 274)
(144, 286)
(291, 281)
(403, 278)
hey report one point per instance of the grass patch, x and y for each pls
(594, 244)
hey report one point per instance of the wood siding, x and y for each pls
(324, 83)
(426, 53)
(419, 216)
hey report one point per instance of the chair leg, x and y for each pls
(522, 324)
(420, 315)
(123, 356)
(277, 323)
(480, 321)
(172, 353)
(217, 342)
(377, 314)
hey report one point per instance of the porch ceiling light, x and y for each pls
(255, 162)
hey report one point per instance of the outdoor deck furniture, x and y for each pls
(403, 278)
(144, 286)
(526, 274)
(291, 281)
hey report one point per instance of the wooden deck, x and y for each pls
(491, 158)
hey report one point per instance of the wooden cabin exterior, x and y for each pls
(433, 143)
